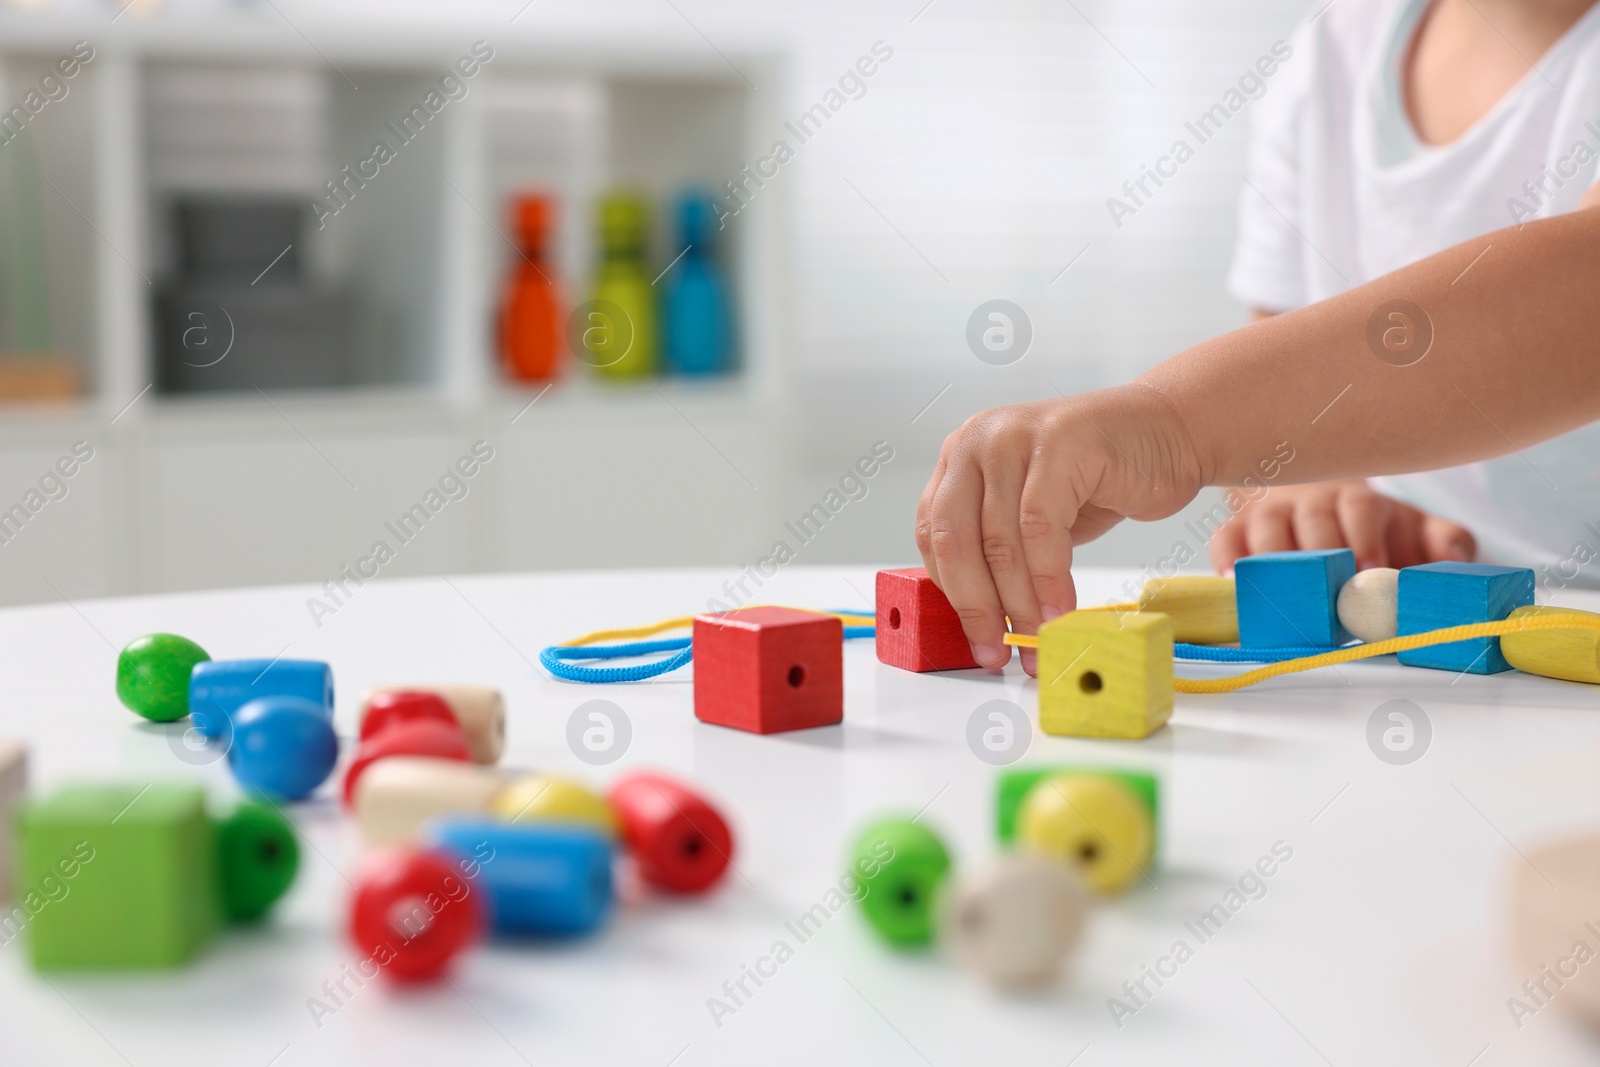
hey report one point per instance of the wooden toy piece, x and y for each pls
(1553, 928)
(413, 912)
(115, 876)
(396, 796)
(395, 707)
(283, 747)
(218, 688)
(541, 798)
(531, 344)
(1093, 824)
(1105, 674)
(1572, 655)
(1015, 921)
(257, 860)
(13, 784)
(480, 709)
(420, 737)
(900, 865)
(917, 629)
(153, 675)
(697, 326)
(1013, 786)
(679, 841)
(1289, 599)
(767, 670)
(1202, 607)
(619, 338)
(542, 880)
(1435, 595)
(1369, 604)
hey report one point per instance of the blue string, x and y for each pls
(1217, 654)
(555, 658)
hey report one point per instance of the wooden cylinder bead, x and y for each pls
(1552, 912)
(1093, 824)
(480, 710)
(542, 798)
(1203, 607)
(1572, 655)
(419, 737)
(680, 842)
(1369, 604)
(1015, 921)
(398, 795)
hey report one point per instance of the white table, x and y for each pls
(1381, 941)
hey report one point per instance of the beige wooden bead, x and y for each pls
(480, 709)
(1555, 928)
(1015, 921)
(13, 784)
(396, 796)
(1203, 607)
(1369, 604)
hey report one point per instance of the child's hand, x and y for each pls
(1017, 487)
(1381, 531)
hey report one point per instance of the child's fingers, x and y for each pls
(957, 541)
(1046, 517)
(1446, 540)
(1269, 529)
(1003, 552)
(924, 530)
(1316, 525)
(1364, 517)
(1229, 544)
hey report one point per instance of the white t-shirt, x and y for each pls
(1341, 191)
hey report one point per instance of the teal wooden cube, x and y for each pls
(117, 876)
(1290, 599)
(1435, 595)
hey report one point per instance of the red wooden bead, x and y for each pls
(412, 912)
(918, 630)
(420, 737)
(679, 840)
(396, 706)
(768, 669)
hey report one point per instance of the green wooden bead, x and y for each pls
(153, 675)
(257, 857)
(900, 865)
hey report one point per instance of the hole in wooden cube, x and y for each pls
(1090, 682)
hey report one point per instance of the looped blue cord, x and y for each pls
(1219, 654)
(555, 658)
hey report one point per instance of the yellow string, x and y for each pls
(682, 622)
(1366, 651)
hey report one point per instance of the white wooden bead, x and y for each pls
(396, 796)
(1548, 922)
(480, 709)
(1369, 604)
(13, 784)
(1015, 921)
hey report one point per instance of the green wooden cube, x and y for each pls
(143, 888)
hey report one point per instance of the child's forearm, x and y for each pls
(1515, 325)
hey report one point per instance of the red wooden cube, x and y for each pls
(918, 630)
(767, 670)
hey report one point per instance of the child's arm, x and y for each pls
(1514, 315)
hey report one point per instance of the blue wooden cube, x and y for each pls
(1289, 599)
(1435, 595)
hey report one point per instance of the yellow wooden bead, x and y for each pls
(1092, 823)
(1203, 607)
(543, 798)
(1573, 655)
(1105, 674)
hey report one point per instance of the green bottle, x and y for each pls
(617, 329)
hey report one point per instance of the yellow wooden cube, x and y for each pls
(1105, 674)
(1570, 654)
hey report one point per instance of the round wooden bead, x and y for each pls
(1093, 824)
(1015, 921)
(257, 859)
(412, 912)
(1572, 655)
(420, 737)
(153, 675)
(1369, 604)
(679, 841)
(1549, 921)
(396, 796)
(283, 747)
(545, 798)
(1203, 607)
(546, 880)
(479, 709)
(900, 865)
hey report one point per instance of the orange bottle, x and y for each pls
(530, 313)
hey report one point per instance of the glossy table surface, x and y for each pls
(1381, 939)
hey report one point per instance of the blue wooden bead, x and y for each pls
(282, 747)
(218, 688)
(1291, 598)
(1435, 595)
(545, 879)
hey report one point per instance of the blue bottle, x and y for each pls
(543, 880)
(699, 332)
(220, 687)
